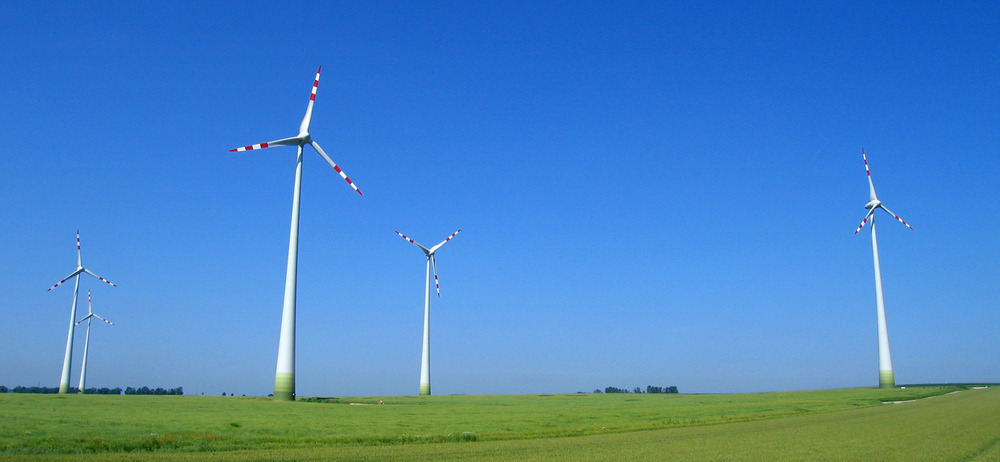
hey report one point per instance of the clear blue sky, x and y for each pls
(650, 194)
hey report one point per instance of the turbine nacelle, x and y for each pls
(872, 204)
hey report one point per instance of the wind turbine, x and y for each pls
(64, 381)
(86, 342)
(284, 377)
(425, 359)
(886, 378)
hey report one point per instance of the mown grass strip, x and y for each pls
(107, 425)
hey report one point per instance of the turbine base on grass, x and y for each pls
(886, 379)
(63, 388)
(425, 389)
(284, 387)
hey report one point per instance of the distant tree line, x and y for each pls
(649, 389)
(96, 391)
(53, 390)
(156, 391)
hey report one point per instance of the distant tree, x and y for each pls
(223, 393)
(3, 389)
(598, 390)
(637, 390)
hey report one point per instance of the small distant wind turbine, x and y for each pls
(886, 377)
(425, 359)
(64, 381)
(284, 378)
(86, 342)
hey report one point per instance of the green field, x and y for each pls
(849, 424)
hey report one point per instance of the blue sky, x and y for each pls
(650, 194)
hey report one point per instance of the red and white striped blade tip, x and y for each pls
(436, 284)
(867, 216)
(348, 180)
(99, 277)
(862, 225)
(312, 97)
(411, 241)
(895, 216)
(75, 273)
(435, 248)
(333, 164)
(250, 148)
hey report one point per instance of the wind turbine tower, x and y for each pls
(425, 358)
(886, 378)
(284, 377)
(67, 360)
(86, 342)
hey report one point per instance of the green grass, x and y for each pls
(831, 424)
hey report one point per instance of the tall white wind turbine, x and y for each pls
(86, 343)
(886, 377)
(64, 380)
(425, 359)
(284, 378)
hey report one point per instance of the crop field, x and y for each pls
(919, 423)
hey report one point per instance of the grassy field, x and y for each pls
(850, 424)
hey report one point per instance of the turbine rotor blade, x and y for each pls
(414, 243)
(78, 271)
(84, 319)
(304, 126)
(293, 141)
(867, 216)
(434, 249)
(894, 215)
(99, 277)
(435, 265)
(871, 186)
(102, 319)
(79, 259)
(343, 175)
